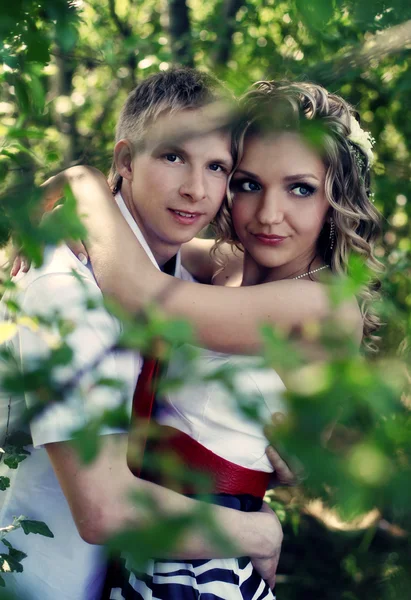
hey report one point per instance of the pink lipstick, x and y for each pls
(269, 240)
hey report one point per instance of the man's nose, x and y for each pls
(271, 209)
(193, 186)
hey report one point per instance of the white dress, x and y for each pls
(209, 413)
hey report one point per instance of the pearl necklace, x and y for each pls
(311, 272)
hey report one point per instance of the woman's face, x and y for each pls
(279, 205)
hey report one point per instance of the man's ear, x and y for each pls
(123, 157)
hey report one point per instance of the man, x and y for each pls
(168, 194)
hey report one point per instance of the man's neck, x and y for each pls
(163, 253)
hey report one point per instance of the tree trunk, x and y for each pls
(125, 31)
(225, 35)
(66, 123)
(180, 32)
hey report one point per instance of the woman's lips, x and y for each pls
(269, 240)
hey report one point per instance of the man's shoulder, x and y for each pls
(61, 283)
(57, 260)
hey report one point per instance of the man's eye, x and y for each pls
(171, 157)
(302, 189)
(217, 168)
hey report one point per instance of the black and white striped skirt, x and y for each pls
(216, 579)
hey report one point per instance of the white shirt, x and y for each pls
(65, 567)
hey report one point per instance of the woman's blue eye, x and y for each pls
(251, 186)
(245, 185)
(302, 189)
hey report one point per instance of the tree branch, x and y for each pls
(389, 41)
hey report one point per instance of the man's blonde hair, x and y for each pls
(164, 92)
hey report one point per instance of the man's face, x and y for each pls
(177, 188)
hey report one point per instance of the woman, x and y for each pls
(297, 210)
(322, 215)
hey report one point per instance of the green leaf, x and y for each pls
(87, 442)
(15, 132)
(117, 417)
(17, 554)
(19, 438)
(39, 527)
(12, 306)
(63, 355)
(22, 95)
(37, 48)
(160, 537)
(110, 382)
(63, 223)
(37, 94)
(14, 460)
(315, 13)
(66, 34)
(91, 304)
(177, 331)
(9, 563)
(4, 483)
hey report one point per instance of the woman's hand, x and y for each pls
(20, 263)
(53, 192)
(79, 250)
(289, 472)
(23, 264)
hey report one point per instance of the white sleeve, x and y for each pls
(94, 332)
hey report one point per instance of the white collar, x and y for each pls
(137, 232)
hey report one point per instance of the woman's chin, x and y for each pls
(269, 262)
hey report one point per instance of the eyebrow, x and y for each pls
(295, 177)
(169, 145)
(247, 173)
(301, 176)
(226, 161)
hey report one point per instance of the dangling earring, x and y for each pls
(332, 233)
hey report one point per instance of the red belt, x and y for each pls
(224, 476)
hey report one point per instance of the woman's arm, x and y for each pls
(204, 266)
(225, 319)
(196, 258)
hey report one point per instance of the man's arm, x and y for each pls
(99, 499)
(98, 494)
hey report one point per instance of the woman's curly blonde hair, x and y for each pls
(324, 118)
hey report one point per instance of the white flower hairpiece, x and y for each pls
(361, 138)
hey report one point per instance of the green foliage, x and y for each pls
(160, 536)
(66, 69)
(14, 452)
(29, 526)
(11, 562)
(4, 483)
